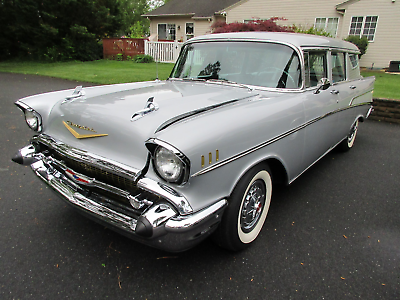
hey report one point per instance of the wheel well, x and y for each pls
(278, 171)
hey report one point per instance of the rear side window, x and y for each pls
(354, 68)
(315, 67)
(338, 66)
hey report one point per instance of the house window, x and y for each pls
(329, 25)
(189, 30)
(167, 32)
(364, 26)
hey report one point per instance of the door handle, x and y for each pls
(334, 92)
(353, 87)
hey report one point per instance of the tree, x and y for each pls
(360, 42)
(256, 25)
(57, 30)
(133, 24)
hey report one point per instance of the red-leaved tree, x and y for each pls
(256, 25)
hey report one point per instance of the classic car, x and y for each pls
(170, 163)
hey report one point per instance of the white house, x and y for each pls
(378, 20)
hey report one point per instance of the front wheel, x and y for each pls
(348, 143)
(248, 207)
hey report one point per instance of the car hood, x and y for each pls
(101, 121)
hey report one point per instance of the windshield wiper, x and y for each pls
(222, 80)
(187, 78)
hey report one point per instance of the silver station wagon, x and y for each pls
(169, 163)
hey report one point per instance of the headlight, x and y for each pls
(32, 117)
(33, 120)
(167, 164)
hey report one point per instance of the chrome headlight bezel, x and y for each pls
(32, 118)
(158, 148)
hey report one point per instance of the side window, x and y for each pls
(338, 67)
(354, 68)
(315, 67)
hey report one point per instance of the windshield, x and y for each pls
(251, 63)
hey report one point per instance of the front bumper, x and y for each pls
(159, 223)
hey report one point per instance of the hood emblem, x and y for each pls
(148, 108)
(68, 124)
(78, 92)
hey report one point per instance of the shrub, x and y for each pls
(361, 43)
(256, 25)
(311, 30)
(143, 58)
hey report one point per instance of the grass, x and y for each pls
(100, 71)
(109, 72)
(386, 84)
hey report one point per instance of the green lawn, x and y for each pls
(109, 71)
(100, 71)
(387, 85)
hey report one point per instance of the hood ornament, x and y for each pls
(78, 92)
(69, 126)
(148, 108)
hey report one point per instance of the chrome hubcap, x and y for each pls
(253, 206)
(352, 134)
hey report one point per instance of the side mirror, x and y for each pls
(323, 84)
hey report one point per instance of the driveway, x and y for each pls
(333, 234)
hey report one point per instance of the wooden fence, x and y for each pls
(120, 49)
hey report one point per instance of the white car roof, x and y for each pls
(296, 39)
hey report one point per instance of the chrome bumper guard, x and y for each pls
(160, 225)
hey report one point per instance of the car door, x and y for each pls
(320, 107)
(344, 90)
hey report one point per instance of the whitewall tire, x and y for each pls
(247, 211)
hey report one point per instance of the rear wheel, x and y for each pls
(348, 143)
(248, 206)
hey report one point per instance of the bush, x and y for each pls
(361, 43)
(256, 25)
(311, 30)
(120, 57)
(143, 58)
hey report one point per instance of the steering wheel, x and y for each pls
(279, 72)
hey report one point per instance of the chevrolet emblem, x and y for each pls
(68, 124)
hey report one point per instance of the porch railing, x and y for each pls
(163, 51)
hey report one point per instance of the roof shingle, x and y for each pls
(197, 8)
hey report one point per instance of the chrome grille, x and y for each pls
(100, 174)
(104, 197)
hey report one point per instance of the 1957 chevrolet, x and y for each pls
(169, 163)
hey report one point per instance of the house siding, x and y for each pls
(386, 45)
(178, 21)
(294, 11)
(201, 26)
